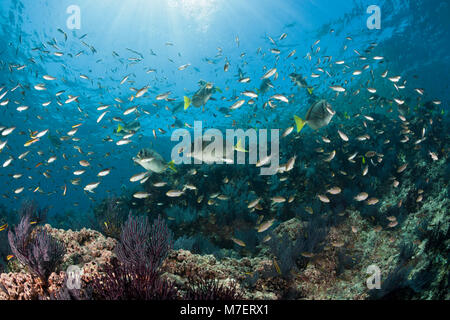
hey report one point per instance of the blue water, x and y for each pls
(413, 40)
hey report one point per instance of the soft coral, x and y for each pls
(38, 251)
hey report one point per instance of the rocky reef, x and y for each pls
(337, 272)
(407, 240)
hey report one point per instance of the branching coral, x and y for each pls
(288, 252)
(135, 274)
(181, 215)
(133, 246)
(161, 242)
(130, 282)
(38, 251)
(210, 289)
(144, 245)
(32, 210)
(110, 216)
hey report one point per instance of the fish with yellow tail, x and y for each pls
(151, 160)
(207, 155)
(319, 115)
(202, 96)
(238, 147)
(127, 128)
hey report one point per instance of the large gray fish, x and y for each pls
(319, 115)
(298, 80)
(210, 155)
(151, 160)
(266, 84)
(127, 128)
(201, 97)
(177, 107)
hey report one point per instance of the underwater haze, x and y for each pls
(97, 97)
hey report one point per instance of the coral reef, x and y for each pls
(130, 282)
(39, 252)
(319, 253)
(210, 289)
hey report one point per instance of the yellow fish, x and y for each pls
(238, 242)
(277, 267)
(30, 142)
(238, 147)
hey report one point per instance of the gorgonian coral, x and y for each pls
(130, 282)
(135, 274)
(32, 210)
(110, 216)
(210, 289)
(38, 251)
(144, 245)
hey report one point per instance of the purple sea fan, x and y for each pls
(40, 252)
(132, 248)
(129, 282)
(31, 209)
(161, 242)
(142, 245)
(199, 288)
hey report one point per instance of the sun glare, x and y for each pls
(199, 11)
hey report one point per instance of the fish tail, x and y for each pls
(172, 166)
(299, 122)
(238, 146)
(187, 102)
(119, 128)
(310, 90)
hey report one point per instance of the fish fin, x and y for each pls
(219, 90)
(310, 90)
(299, 122)
(119, 128)
(238, 146)
(187, 102)
(172, 166)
